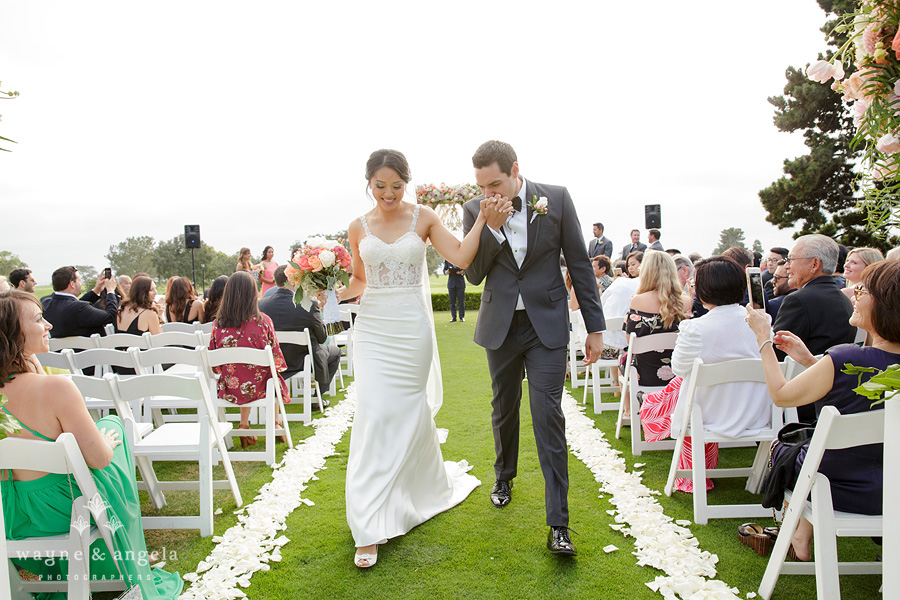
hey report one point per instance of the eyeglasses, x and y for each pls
(772, 260)
(791, 259)
(777, 277)
(859, 291)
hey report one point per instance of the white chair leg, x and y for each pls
(148, 475)
(824, 535)
(759, 468)
(698, 467)
(271, 415)
(206, 479)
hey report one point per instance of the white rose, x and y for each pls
(316, 242)
(541, 204)
(327, 258)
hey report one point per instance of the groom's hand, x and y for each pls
(593, 346)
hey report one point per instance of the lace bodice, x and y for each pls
(395, 265)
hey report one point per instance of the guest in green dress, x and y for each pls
(40, 504)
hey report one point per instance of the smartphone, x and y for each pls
(107, 272)
(755, 289)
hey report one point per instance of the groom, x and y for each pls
(523, 322)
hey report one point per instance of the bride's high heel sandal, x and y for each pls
(364, 561)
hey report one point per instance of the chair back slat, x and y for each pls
(75, 342)
(102, 357)
(299, 338)
(651, 343)
(148, 359)
(57, 360)
(125, 340)
(176, 338)
(179, 327)
(261, 357)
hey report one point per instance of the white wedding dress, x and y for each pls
(396, 475)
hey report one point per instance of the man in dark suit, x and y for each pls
(600, 245)
(456, 289)
(818, 313)
(635, 245)
(523, 320)
(653, 238)
(287, 316)
(71, 316)
(780, 289)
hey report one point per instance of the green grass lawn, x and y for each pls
(476, 550)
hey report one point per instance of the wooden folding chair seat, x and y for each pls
(833, 432)
(709, 375)
(62, 456)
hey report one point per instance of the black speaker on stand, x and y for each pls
(652, 216)
(192, 241)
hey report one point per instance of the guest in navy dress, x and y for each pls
(855, 474)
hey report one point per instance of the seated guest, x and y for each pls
(619, 269)
(780, 289)
(685, 269)
(125, 284)
(40, 504)
(181, 305)
(857, 260)
(732, 409)
(213, 298)
(73, 317)
(818, 313)
(855, 474)
(138, 312)
(239, 324)
(839, 280)
(287, 316)
(633, 264)
(22, 279)
(771, 262)
(602, 268)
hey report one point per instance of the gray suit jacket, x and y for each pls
(601, 245)
(657, 246)
(627, 249)
(539, 280)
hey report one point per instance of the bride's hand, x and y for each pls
(322, 297)
(496, 210)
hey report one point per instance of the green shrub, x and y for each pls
(441, 301)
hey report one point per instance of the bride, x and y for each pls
(396, 475)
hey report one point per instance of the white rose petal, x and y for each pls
(609, 548)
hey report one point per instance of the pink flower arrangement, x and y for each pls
(433, 195)
(318, 265)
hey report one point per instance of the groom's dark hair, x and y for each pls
(492, 152)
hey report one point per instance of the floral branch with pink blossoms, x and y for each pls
(872, 93)
(7, 96)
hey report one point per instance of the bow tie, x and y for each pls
(517, 204)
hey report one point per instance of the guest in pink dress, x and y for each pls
(239, 324)
(267, 277)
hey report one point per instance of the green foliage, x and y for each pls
(818, 189)
(10, 262)
(172, 258)
(733, 236)
(757, 246)
(7, 423)
(441, 301)
(88, 276)
(134, 255)
(879, 385)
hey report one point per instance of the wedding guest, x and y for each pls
(137, 313)
(838, 274)
(214, 298)
(600, 245)
(685, 269)
(857, 260)
(672, 252)
(602, 268)
(38, 504)
(633, 264)
(634, 246)
(619, 269)
(124, 284)
(268, 266)
(653, 236)
(239, 324)
(694, 256)
(741, 256)
(780, 288)
(854, 474)
(71, 316)
(244, 261)
(181, 303)
(774, 255)
(22, 279)
(732, 409)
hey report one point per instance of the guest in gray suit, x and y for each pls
(635, 246)
(523, 321)
(600, 244)
(653, 238)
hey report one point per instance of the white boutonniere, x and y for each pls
(538, 206)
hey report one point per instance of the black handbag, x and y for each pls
(782, 474)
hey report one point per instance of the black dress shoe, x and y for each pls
(463, 319)
(453, 320)
(501, 493)
(558, 541)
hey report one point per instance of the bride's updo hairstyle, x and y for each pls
(392, 159)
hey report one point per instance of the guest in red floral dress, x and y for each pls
(239, 324)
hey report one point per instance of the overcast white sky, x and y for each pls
(255, 119)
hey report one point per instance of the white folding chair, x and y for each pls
(61, 360)
(345, 340)
(577, 335)
(638, 345)
(833, 432)
(204, 327)
(179, 361)
(304, 380)
(178, 442)
(272, 403)
(187, 339)
(125, 340)
(101, 360)
(181, 327)
(860, 338)
(703, 375)
(62, 456)
(608, 382)
(75, 342)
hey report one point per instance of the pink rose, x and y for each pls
(303, 262)
(820, 71)
(314, 263)
(888, 143)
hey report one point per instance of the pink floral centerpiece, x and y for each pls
(320, 265)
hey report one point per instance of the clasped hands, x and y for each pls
(496, 210)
